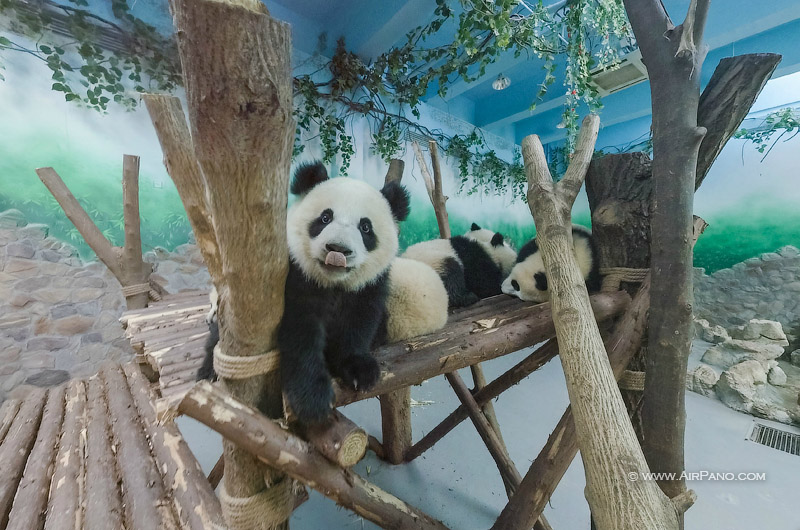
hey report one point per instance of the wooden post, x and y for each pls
(396, 424)
(284, 451)
(609, 448)
(433, 184)
(125, 263)
(237, 73)
(395, 171)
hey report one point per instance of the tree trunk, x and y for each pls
(237, 71)
(609, 448)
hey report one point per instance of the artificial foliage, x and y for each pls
(387, 90)
(785, 120)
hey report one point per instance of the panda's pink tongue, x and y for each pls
(336, 259)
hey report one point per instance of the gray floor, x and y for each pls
(457, 480)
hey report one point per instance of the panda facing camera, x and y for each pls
(528, 279)
(342, 238)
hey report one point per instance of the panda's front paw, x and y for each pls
(360, 372)
(310, 398)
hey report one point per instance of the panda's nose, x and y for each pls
(333, 247)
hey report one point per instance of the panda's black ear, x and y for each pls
(474, 227)
(397, 196)
(497, 239)
(307, 176)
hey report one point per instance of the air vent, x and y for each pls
(626, 72)
(777, 439)
(414, 136)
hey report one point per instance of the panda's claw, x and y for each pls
(360, 372)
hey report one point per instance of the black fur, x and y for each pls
(452, 275)
(528, 249)
(481, 274)
(324, 332)
(368, 235)
(497, 239)
(475, 227)
(318, 225)
(306, 176)
(398, 199)
(540, 279)
(206, 371)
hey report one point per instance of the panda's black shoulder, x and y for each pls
(528, 249)
(463, 245)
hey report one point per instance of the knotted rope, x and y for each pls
(631, 380)
(240, 367)
(265, 509)
(613, 276)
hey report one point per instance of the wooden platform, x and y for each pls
(169, 336)
(90, 454)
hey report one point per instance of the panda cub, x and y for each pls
(501, 252)
(342, 237)
(470, 268)
(528, 279)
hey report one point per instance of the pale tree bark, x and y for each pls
(125, 263)
(674, 57)
(237, 73)
(610, 451)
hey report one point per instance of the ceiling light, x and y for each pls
(501, 83)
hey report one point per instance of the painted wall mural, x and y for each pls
(752, 205)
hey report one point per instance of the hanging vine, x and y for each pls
(785, 120)
(387, 91)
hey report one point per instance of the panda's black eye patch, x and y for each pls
(318, 224)
(541, 281)
(515, 285)
(367, 234)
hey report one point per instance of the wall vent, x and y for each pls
(415, 136)
(776, 438)
(626, 72)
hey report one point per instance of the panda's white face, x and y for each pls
(527, 280)
(342, 233)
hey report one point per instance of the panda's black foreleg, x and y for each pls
(305, 378)
(351, 338)
(206, 371)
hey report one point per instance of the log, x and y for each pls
(237, 74)
(182, 166)
(67, 486)
(554, 459)
(8, 411)
(103, 505)
(142, 488)
(604, 432)
(215, 475)
(510, 378)
(499, 453)
(433, 184)
(16, 447)
(463, 344)
(726, 100)
(341, 441)
(479, 382)
(396, 424)
(195, 502)
(30, 502)
(286, 452)
(81, 220)
(135, 270)
(395, 171)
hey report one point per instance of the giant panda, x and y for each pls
(468, 268)
(342, 238)
(501, 252)
(417, 300)
(528, 279)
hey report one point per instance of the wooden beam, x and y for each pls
(289, 454)
(134, 268)
(468, 342)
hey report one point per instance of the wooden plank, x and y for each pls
(67, 486)
(145, 501)
(194, 499)
(8, 411)
(465, 343)
(30, 502)
(16, 447)
(103, 495)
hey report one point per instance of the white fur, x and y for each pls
(523, 272)
(211, 316)
(503, 255)
(432, 253)
(417, 301)
(350, 200)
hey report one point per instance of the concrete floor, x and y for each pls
(458, 483)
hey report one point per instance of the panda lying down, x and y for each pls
(346, 292)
